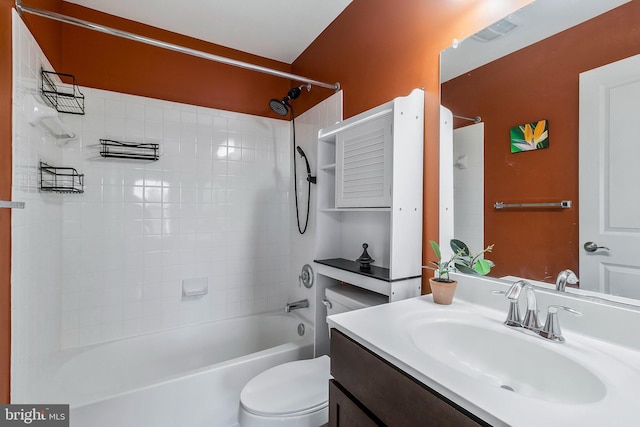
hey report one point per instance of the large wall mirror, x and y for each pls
(509, 78)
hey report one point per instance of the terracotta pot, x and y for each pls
(442, 291)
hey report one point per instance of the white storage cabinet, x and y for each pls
(370, 191)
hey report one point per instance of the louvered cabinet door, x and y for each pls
(363, 165)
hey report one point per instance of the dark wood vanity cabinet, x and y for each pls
(369, 391)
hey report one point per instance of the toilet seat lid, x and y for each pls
(292, 388)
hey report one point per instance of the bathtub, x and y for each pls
(186, 377)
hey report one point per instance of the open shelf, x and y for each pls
(60, 179)
(376, 272)
(61, 91)
(129, 150)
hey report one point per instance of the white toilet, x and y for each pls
(296, 394)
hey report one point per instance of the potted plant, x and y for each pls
(461, 260)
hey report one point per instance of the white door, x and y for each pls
(468, 184)
(610, 178)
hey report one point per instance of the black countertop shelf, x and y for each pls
(380, 273)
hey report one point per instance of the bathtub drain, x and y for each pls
(301, 329)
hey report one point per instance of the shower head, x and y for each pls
(282, 107)
(279, 107)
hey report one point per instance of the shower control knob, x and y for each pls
(306, 276)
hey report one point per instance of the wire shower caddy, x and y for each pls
(129, 150)
(60, 179)
(64, 97)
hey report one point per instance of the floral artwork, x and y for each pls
(530, 136)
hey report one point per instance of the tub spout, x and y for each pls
(296, 305)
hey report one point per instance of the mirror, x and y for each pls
(521, 70)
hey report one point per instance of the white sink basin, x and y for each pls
(491, 353)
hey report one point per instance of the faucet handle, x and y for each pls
(551, 329)
(531, 316)
(513, 316)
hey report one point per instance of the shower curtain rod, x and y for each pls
(475, 119)
(170, 46)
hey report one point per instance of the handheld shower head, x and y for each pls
(299, 150)
(311, 179)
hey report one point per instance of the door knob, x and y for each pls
(592, 247)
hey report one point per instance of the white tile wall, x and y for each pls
(36, 232)
(109, 263)
(215, 205)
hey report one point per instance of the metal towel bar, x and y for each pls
(565, 204)
(11, 205)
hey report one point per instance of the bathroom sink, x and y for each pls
(497, 356)
(509, 377)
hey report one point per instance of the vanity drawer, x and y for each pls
(390, 395)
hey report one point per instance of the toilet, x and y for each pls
(296, 394)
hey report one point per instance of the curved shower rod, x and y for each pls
(170, 46)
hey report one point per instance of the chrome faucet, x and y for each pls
(551, 329)
(531, 315)
(304, 303)
(564, 277)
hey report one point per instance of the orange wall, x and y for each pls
(380, 49)
(377, 49)
(538, 244)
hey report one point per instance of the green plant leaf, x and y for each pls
(465, 269)
(482, 267)
(459, 247)
(436, 249)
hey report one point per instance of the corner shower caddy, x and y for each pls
(129, 150)
(60, 179)
(64, 97)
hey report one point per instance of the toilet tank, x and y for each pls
(347, 297)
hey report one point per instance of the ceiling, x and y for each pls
(276, 29)
(535, 22)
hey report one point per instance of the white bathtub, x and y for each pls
(187, 377)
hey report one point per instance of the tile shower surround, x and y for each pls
(215, 205)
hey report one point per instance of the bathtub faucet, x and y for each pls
(296, 305)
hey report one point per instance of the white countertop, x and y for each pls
(384, 330)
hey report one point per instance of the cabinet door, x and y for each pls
(393, 397)
(363, 164)
(344, 412)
